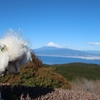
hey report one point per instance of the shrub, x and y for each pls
(33, 76)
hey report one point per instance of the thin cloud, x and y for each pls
(94, 43)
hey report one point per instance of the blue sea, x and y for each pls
(65, 60)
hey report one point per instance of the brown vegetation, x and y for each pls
(37, 82)
(85, 85)
(33, 77)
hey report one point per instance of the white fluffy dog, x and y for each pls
(14, 51)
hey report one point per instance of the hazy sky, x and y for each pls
(73, 24)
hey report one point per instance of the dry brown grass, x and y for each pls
(86, 85)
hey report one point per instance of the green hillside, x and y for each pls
(78, 70)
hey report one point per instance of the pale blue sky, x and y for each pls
(73, 24)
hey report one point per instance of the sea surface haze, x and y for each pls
(65, 60)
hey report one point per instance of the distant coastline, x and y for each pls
(65, 60)
(81, 57)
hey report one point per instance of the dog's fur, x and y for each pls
(14, 51)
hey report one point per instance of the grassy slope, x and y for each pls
(78, 70)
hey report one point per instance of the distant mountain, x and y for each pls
(65, 52)
(94, 52)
